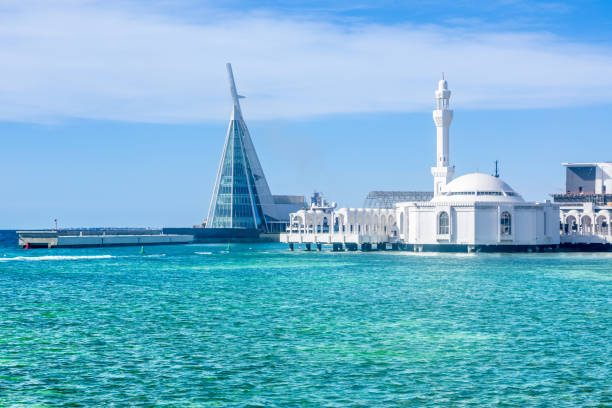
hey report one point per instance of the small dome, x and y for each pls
(478, 187)
(442, 85)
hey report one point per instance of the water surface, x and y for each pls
(261, 326)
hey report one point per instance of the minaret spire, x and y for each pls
(442, 117)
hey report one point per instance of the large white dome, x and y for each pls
(478, 187)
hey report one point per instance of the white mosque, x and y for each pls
(474, 212)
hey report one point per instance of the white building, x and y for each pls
(479, 212)
(586, 206)
(475, 212)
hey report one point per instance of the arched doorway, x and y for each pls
(601, 225)
(586, 225)
(571, 225)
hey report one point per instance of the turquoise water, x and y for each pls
(193, 326)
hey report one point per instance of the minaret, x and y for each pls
(442, 116)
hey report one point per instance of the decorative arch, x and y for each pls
(391, 220)
(339, 223)
(602, 224)
(325, 225)
(586, 224)
(297, 224)
(571, 224)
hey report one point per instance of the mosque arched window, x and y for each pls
(443, 223)
(506, 223)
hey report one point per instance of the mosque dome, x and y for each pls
(478, 187)
(442, 85)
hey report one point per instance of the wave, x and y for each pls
(56, 258)
(204, 253)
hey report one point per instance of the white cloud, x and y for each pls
(82, 59)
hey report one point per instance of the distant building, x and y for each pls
(241, 197)
(586, 206)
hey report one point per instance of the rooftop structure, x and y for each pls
(587, 183)
(388, 199)
(588, 178)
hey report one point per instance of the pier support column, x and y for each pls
(319, 247)
(291, 246)
(336, 247)
(308, 247)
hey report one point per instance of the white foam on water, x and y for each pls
(55, 258)
(204, 253)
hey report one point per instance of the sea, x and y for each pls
(259, 326)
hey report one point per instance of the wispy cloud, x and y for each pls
(87, 60)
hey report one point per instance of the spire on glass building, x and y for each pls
(241, 196)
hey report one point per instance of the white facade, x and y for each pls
(346, 226)
(586, 223)
(586, 206)
(478, 210)
(473, 212)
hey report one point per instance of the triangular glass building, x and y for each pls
(241, 197)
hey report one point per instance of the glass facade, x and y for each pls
(236, 204)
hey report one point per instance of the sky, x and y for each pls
(114, 112)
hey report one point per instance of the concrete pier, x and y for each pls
(98, 238)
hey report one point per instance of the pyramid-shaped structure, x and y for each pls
(241, 196)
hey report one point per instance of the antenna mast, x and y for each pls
(235, 96)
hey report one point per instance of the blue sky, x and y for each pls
(114, 113)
